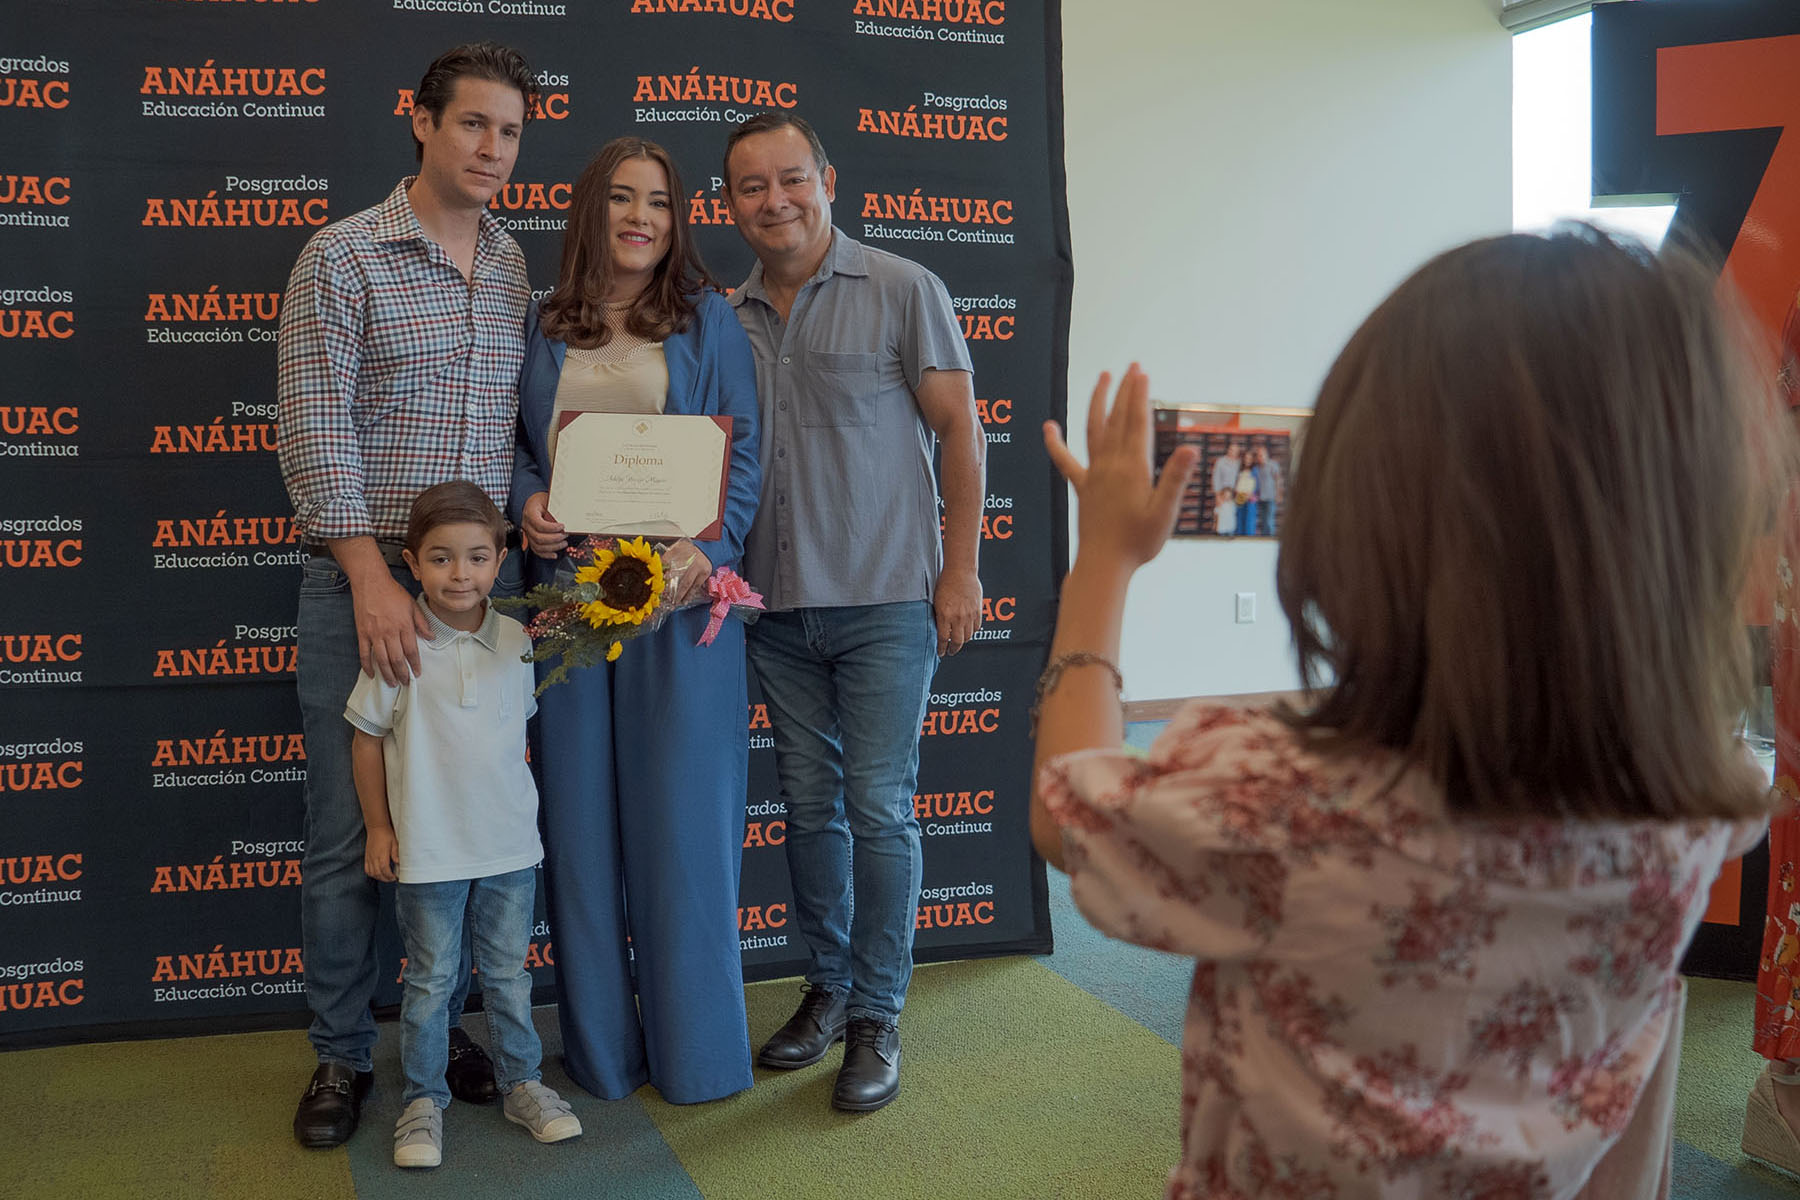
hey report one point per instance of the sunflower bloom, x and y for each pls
(630, 581)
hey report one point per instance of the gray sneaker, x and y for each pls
(419, 1135)
(539, 1109)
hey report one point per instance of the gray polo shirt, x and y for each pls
(849, 511)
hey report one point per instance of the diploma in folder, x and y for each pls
(651, 474)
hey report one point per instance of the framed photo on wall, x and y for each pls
(1246, 459)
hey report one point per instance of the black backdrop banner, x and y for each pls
(161, 164)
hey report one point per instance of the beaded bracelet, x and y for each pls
(1054, 672)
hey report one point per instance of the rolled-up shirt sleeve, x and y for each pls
(318, 356)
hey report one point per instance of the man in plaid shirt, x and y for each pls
(402, 333)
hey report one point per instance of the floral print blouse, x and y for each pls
(1386, 1002)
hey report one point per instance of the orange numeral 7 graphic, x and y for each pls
(1751, 84)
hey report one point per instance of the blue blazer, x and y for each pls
(711, 372)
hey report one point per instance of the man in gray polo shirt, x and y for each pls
(860, 364)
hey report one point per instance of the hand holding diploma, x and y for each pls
(544, 534)
(637, 474)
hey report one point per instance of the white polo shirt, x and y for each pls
(459, 789)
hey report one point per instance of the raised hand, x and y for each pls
(1123, 513)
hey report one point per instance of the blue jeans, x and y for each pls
(1268, 517)
(846, 690)
(338, 902)
(1246, 519)
(498, 909)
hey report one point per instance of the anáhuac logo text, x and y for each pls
(40, 431)
(51, 983)
(40, 543)
(211, 317)
(38, 658)
(222, 974)
(229, 759)
(29, 879)
(225, 539)
(947, 907)
(986, 318)
(955, 814)
(708, 97)
(52, 766)
(266, 651)
(34, 81)
(953, 713)
(757, 926)
(781, 11)
(969, 22)
(493, 8)
(212, 89)
(919, 216)
(35, 200)
(37, 313)
(939, 118)
(251, 430)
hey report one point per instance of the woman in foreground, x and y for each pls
(1438, 909)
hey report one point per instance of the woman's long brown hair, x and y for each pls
(575, 312)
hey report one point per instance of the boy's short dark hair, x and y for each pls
(476, 60)
(768, 122)
(457, 502)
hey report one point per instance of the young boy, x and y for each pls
(451, 816)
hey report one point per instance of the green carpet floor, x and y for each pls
(1021, 1081)
(1017, 1083)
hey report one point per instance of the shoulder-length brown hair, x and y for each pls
(1519, 526)
(575, 311)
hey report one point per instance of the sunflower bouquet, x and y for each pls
(616, 593)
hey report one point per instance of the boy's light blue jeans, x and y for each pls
(846, 690)
(498, 911)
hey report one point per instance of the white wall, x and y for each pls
(1247, 180)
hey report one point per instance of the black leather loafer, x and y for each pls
(870, 1076)
(470, 1072)
(808, 1034)
(329, 1108)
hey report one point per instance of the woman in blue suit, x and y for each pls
(643, 761)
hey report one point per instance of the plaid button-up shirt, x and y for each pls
(395, 373)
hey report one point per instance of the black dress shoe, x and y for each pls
(470, 1072)
(328, 1111)
(870, 1076)
(808, 1034)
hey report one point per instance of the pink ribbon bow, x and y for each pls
(728, 590)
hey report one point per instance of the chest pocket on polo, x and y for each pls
(841, 389)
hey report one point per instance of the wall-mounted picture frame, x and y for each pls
(1247, 456)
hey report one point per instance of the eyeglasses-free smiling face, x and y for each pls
(780, 198)
(455, 566)
(639, 218)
